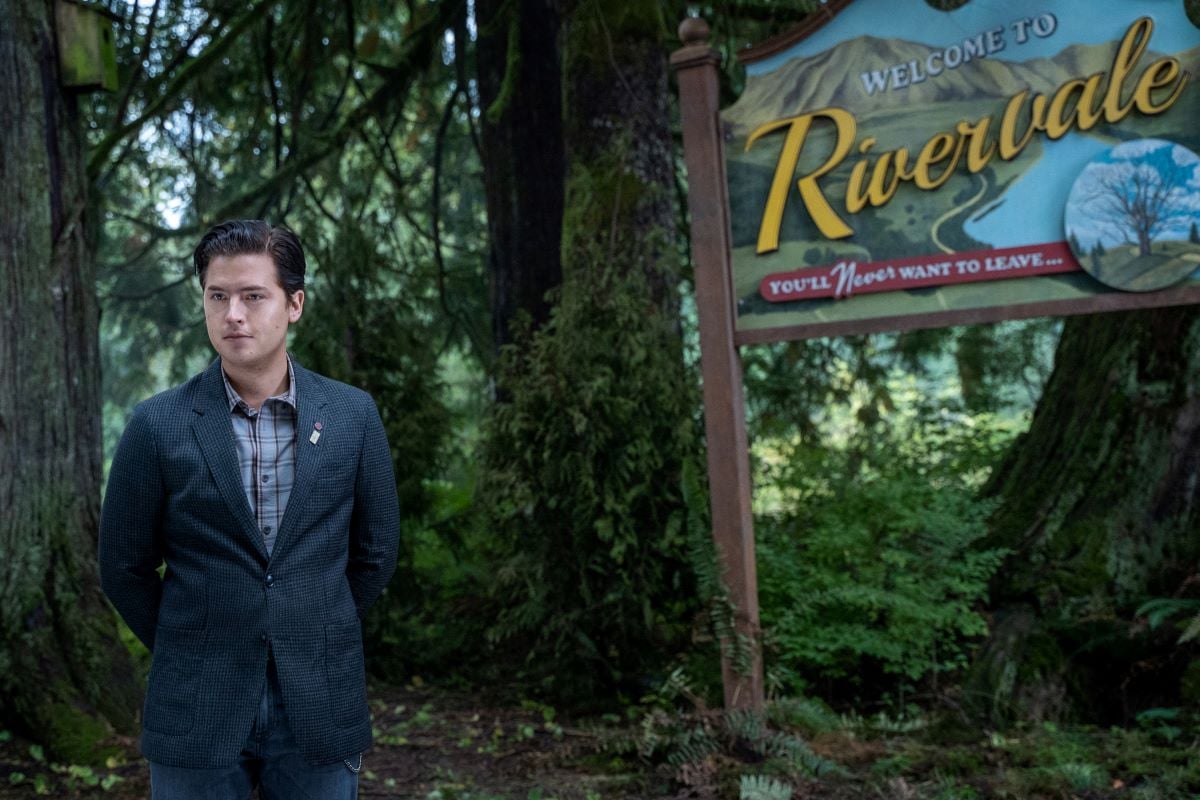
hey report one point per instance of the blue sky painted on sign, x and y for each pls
(1078, 22)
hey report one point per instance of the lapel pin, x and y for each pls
(316, 434)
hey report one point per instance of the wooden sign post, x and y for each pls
(724, 412)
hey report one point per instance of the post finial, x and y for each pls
(693, 31)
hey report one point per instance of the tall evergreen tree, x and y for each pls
(586, 449)
(520, 95)
(65, 676)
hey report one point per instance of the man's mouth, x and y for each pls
(237, 336)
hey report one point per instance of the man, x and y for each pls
(268, 492)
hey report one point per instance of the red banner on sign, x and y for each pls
(849, 278)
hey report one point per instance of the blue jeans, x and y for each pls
(269, 761)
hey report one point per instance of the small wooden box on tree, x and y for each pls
(87, 51)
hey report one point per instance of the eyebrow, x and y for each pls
(212, 287)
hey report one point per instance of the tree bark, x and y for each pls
(1100, 504)
(520, 93)
(584, 455)
(620, 164)
(65, 676)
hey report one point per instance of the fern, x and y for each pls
(809, 715)
(762, 787)
(702, 557)
(1163, 609)
(692, 746)
(750, 727)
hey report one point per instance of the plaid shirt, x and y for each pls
(266, 446)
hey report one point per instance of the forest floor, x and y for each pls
(433, 744)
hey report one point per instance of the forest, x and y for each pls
(977, 550)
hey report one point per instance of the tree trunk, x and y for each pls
(65, 676)
(583, 461)
(1100, 504)
(521, 97)
(618, 143)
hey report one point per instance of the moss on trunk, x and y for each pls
(1100, 504)
(67, 679)
(618, 144)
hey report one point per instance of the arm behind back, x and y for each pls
(375, 522)
(130, 528)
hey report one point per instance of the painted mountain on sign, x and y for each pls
(836, 78)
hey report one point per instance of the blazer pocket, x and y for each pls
(345, 674)
(339, 465)
(175, 674)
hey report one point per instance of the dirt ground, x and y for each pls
(433, 744)
(428, 744)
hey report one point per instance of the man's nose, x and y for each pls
(235, 311)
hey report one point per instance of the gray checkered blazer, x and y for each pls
(175, 495)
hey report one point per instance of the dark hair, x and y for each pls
(238, 237)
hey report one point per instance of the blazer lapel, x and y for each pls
(310, 401)
(214, 434)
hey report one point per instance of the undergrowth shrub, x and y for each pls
(870, 581)
(582, 480)
(716, 753)
(372, 333)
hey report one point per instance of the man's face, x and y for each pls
(246, 310)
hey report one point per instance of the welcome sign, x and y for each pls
(899, 167)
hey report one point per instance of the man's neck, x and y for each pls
(254, 386)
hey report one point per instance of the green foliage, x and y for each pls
(48, 777)
(1164, 609)
(821, 391)
(869, 453)
(360, 329)
(750, 728)
(712, 592)
(808, 715)
(947, 760)
(763, 787)
(701, 746)
(877, 567)
(1164, 723)
(76, 736)
(582, 476)
(433, 620)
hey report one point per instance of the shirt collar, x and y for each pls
(288, 397)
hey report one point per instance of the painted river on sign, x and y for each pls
(1032, 208)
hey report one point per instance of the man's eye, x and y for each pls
(255, 296)
(217, 296)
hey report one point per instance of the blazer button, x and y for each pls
(264, 638)
(270, 581)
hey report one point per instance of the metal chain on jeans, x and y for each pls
(353, 769)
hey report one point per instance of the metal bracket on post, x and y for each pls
(696, 66)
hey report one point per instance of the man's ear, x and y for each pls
(295, 302)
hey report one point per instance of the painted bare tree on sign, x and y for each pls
(1134, 205)
(1141, 192)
